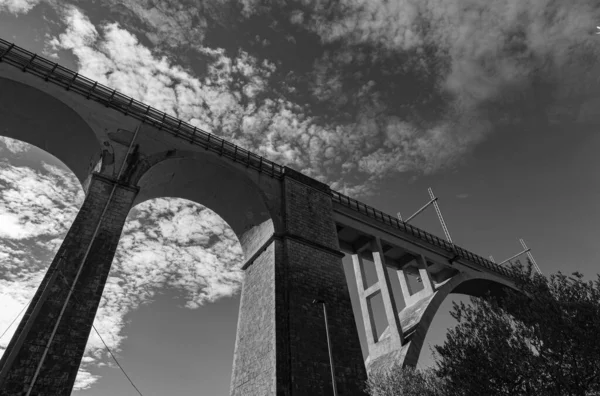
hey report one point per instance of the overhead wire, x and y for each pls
(16, 317)
(108, 349)
(97, 332)
(116, 361)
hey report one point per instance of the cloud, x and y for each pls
(166, 244)
(486, 65)
(84, 380)
(18, 6)
(234, 100)
(491, 47)
(36, 203)
(170, 23)
(462, 196)
(12, 145)
(381, 98)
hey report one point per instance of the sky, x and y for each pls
(491, 104)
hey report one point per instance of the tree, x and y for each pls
(544, 341)
(406, 382)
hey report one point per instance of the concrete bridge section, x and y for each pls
(293, 229)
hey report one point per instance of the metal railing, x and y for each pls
(418, 233)
(72, 81)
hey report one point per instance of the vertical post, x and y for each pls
(362, 296)
(439, 213)
(530, 256)
(404, 286)
(378, 348)
(328, 346)
(385, 284)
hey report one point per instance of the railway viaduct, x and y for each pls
(293, 229)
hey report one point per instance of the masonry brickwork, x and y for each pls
(59, 369)
(281, 347)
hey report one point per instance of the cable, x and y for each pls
(81, 265)
(96, 330)
(116, 361)
(19, 314)
(109, 351)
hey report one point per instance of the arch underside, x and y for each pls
(228, 192)
(416, 319)
(35, 117)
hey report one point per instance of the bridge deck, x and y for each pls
(376, 218)
(56, 74)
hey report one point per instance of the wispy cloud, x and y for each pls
(170, 23)
(14, 146)
(394, 87)
(18, 6)
(234, 100)
(166, 244)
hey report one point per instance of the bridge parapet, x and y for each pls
(53, 72)
(431, 239)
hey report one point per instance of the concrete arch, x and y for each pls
(476, 285)
(35, 117)
(212, 182)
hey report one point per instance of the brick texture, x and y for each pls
(281, 346)
(58, 372)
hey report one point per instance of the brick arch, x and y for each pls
(471, 284)
(35, 117)
(229, 191)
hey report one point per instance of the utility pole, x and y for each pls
(328, 346)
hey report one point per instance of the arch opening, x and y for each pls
(176, 263)
(37, 118)
(193, 224)
(39, 200)
(213, 183)
(459, 287)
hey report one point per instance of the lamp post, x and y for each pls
(328, 345)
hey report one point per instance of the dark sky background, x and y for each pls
(493, 105)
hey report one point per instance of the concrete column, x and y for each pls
(281, 344)
(404, 286)
(389, 303)
(363, 295)
(393, 338)
(57, 372)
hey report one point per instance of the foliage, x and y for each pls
(406, 382)
(545, 341)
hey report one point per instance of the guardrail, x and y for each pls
(418, 233)
(72, 81)
(53, 72)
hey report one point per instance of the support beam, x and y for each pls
(530, 256)
(393, 339)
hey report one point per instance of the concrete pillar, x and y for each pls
(281, 345)
(57, 373)
(392, 338)
(383, 286)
